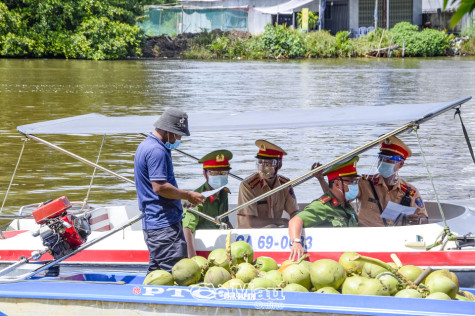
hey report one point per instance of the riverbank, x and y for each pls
(279, 42)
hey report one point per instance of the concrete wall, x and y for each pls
(417, 12)
(353, 13)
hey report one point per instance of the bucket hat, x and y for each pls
(173, 121)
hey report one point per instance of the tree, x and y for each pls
(465, 6)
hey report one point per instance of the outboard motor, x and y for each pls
(61, 232)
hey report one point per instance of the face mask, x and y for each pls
(172, 146)
(352, 192)
(266, 172)
(217, 181)
(386, 169)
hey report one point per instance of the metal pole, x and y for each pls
(309, 174)
(387, 14)
(320, 15)
(375, 14)
(90, 163)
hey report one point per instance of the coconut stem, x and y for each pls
(305, 256)
(228, 253)
(391, 269)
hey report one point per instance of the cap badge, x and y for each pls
(220, 158)
(262, 147)
(387, 141)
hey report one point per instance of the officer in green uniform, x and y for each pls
(216, 170)
(332, 209)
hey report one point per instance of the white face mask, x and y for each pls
(217, 181)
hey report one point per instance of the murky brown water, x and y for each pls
(38, 90)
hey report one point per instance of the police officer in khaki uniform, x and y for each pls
(332, 209)
(376, 191)
(268, 211)
(216, 168)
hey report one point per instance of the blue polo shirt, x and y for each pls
(153, 162)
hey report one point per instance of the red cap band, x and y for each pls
(271, 153)
(216, 163)
(394, 149)
(347, 170)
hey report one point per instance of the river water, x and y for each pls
(39, 90)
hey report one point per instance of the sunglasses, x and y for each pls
(218, 173)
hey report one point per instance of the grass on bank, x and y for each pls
(280, 42)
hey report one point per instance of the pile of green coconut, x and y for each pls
(234, 268)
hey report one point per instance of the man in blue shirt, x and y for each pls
(158, 193)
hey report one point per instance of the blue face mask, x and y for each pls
(386, 169)
(217, 181)
(174, 145)
(352, 192)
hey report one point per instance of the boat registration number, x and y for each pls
(273, 242)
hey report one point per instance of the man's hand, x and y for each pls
(195, 198)
(296, 251)
(319, 174)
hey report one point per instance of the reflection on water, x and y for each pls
(38, 90)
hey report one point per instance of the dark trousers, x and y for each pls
(166, 247)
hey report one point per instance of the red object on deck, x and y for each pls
(51, 209)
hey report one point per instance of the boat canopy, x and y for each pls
(98, 124)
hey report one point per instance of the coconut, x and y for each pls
(158, 277)
(261, 283)
(297, 274)
(219, 258)
(351, 266)
(445, 273)
(266, 264)
(438, 296)
(241, 252)
(306, 264)
(233, 284)
(371, 270)
(201, 261)
(217, 276)
(273, 275)
(327, 272)
(284, 265)
(409, 293)
(294, 287)
(327, 290)
(390, 281)
(186, 272)
(440, 283)
(246, 272)
(410, 272)
(358, 285)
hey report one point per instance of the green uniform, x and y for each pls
(328, 212)
(214, 205)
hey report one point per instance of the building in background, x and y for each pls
(434, 16)
(356, 16)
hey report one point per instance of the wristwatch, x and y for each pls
(296, 240)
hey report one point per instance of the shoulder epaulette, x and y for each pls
(283, 179)
(404, 189)
(225, 189)
(324, 199)
(253, 181)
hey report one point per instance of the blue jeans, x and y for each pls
(166, 246)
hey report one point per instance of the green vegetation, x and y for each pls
(70, 28)
(464, 7)
(281, 42)
(469, 46)
(312, 19)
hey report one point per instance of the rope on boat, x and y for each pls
(93, 174)
(24, 140)
(446, 235)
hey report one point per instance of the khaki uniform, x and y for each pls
(368, 210)
(270, 207)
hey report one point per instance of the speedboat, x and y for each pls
(115, 238)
